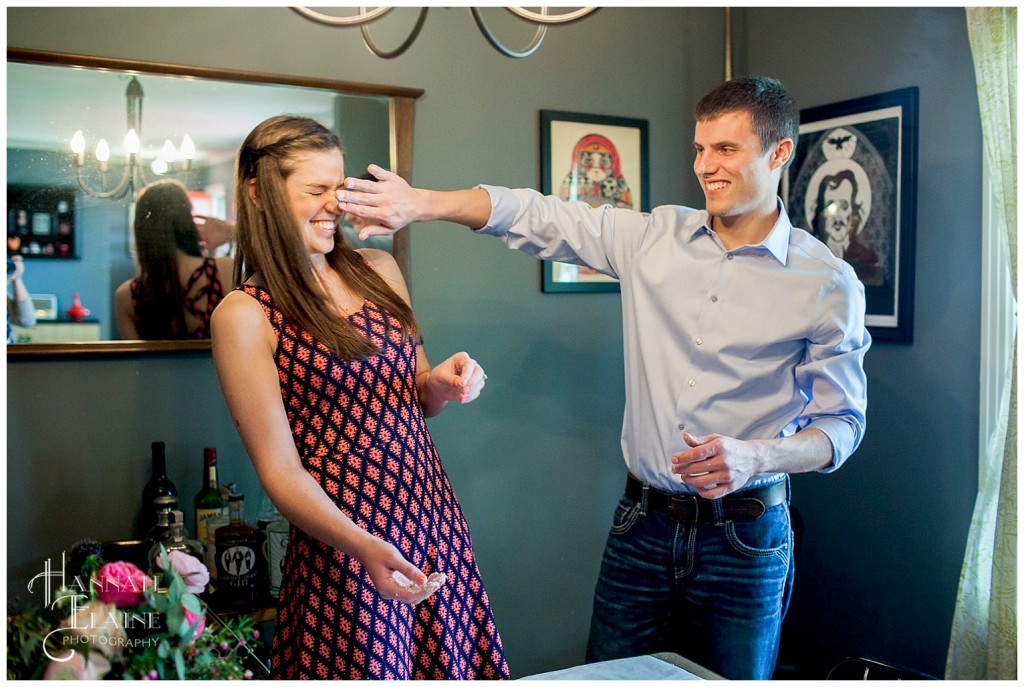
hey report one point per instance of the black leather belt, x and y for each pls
(740, 505)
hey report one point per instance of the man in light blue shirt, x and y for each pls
(744, 343)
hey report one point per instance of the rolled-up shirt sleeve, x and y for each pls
(832, 375)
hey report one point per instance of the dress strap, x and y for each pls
(196, 290)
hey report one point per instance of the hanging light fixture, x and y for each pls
(134, 176)
(541, 19)
(728, 44)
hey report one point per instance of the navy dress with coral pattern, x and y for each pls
(361, 434)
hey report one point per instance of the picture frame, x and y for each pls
(619, 145)
(41, 222)
(858, 158)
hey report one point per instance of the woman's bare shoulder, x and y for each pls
(123, 290)
(381, 261)
(239, 323)
(238, 306)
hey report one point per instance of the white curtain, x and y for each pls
(983, 642)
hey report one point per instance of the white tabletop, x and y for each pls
(656, 667)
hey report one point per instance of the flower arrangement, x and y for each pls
(115, 621)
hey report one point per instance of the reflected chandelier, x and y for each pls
(134, 175)
(542, 19)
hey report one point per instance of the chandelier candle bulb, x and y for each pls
(188, 150)
(134, 175)
(78, 147)
(103, 154)
(131, 143)
(168, 152)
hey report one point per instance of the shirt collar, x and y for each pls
(776, 242)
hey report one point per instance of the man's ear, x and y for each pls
(252, 193)
(783, 151)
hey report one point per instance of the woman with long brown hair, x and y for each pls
(177, 288)
(320, 360)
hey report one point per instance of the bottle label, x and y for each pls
(237, 566)
(277, 547)
(212, 524)
(202, 515)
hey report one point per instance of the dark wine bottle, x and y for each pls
(208, 501)
(159, 485)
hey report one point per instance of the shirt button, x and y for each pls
(681, 426)
(729, 256)
(714, 299)
(700, 342)
(692, 382)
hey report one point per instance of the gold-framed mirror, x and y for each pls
(51, 95)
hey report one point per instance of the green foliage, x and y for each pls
(26, 633)
(179, 640)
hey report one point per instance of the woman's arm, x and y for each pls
(22, 311)
(123, 312)
(243, 354)
(213, 233)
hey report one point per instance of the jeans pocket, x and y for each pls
(626, 514)
(768, 535)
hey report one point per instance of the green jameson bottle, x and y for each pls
(208, 501)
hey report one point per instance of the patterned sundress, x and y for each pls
(200, 297)
(361, 434)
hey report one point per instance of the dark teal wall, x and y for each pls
(535, 461)
(885, 535)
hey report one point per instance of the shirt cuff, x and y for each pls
(504, 206)
(842, 437)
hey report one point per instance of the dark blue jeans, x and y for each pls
(713, 592)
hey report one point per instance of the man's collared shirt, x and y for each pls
(757, 342)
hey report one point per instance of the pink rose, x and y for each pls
(122, 584)
(189, 568)
(196, 621)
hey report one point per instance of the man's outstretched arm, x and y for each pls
(390, 203)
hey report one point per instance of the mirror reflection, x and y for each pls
(180, 279)
(71, 209)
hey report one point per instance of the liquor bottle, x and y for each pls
(175, 539)
(212, 525)
(275, 530)
(239, 546)
(158, 485)
(208, 501)
(164, 506)
(278, 532)
(268, 513)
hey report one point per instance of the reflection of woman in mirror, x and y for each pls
(20, 310)
(322, 367)
(176, 288)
